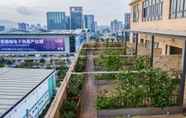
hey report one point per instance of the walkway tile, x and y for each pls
(88, 109)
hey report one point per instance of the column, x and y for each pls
(152, 51)
(182, 99)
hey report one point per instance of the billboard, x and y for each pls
(32, 44)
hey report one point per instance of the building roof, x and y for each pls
(17, 83)
(53, 32)
(161, 32)
(133, 2)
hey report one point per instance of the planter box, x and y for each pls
(104, 82)
(112, 113)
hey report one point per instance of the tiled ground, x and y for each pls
(162, 116)
(89, 93)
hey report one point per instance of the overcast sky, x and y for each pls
(34, 11)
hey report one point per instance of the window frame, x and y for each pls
(152, 10)
(177, 9)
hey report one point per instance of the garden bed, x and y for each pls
(81, 64)
(146, 88)
(115, 60)
(71, 106)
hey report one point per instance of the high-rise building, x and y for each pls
(56, 21)
(2, 28)
(76, 17)
(96, 25)
(67, 22)
(127, 21)
(116, 26)
(89, 22)
(23, 27)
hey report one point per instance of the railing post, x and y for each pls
(183, 76)
(126, 39)
(136, 49)
(152, 51)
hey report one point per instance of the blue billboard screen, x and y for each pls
(32, 44)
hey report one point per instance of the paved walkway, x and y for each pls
(89, 93)
(162, 116)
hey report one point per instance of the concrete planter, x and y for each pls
(112, 113)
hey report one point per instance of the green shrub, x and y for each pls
(62, 71)
(104, 103)
(142, 63)
(69, 105)
(75, 85)
(151, 87)
(110, 60)
(69, 114)
(81, 64)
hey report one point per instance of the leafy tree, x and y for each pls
(2, 65)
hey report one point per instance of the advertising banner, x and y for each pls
(32, 44)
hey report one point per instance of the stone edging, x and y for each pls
(112, 113)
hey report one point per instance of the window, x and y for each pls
(152, 10)
(156, 45)
(175, 50)
(177, 8)
(136, 13)
(142, 41)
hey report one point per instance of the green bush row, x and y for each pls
(70, 106)
(151, 87)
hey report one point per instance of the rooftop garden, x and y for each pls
(122, 80)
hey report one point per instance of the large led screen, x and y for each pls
(32, 44)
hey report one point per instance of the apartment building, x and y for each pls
(159, 26)
(165, 19)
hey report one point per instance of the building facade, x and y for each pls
(67, 22)
(56, 21)
(41, 43)
(163, 17)
(2, 28)
(23, 27)
(25, 93)
(159, 26)
(127, 23)
(76, 18)
(116, 26)
(89, 22)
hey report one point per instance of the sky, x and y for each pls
(34, 11)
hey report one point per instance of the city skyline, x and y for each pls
(34, 11)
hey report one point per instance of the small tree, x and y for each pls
(110, 60)
(152, 85)
(161, 87)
